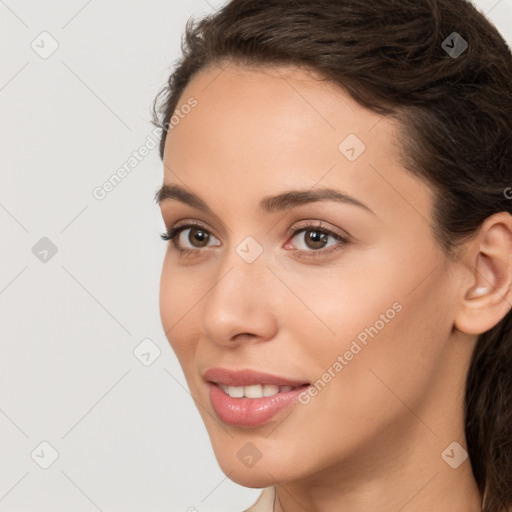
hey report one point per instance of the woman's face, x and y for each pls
(369, 319)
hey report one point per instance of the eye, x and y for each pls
(197, 236)
(315, 238)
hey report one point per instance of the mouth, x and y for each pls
(256, 390)
(254, 410)
(250, 398)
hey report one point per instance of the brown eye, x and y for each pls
(312, 240)
(198, 237)
(315, 239)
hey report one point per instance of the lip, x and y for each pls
(250, 412)
(247, 377)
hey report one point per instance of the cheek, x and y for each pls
(390, 311)
(391, 333)
(335, 306)
(178, 298)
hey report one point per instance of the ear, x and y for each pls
(486, 296)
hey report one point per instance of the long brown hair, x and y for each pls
(406, 59)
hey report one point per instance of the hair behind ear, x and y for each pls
(488, 422)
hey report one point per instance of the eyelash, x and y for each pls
(171, 235)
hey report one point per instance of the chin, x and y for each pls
(250, 477)
(265, 472)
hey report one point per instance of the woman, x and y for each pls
(338, 281)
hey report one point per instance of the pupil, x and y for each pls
(199, 235)
(317, 237)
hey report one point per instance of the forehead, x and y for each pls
(256, 131)
(287, 100)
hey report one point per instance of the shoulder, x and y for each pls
(265, 501)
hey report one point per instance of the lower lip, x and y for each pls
(250, 412)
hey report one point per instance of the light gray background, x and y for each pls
(128, 436)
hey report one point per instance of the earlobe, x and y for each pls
(488, 298)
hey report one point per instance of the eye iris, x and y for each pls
(199, 235)
(317, 237)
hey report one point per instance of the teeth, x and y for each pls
(254, 391)
(269, 390)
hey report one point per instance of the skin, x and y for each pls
(372, 438)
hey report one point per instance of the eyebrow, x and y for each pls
(269, 204)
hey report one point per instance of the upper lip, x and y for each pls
(247, 378)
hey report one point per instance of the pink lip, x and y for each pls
(247, 378)
(250, 412)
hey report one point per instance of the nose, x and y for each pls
(242, 304)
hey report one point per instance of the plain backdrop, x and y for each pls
(94, 408)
